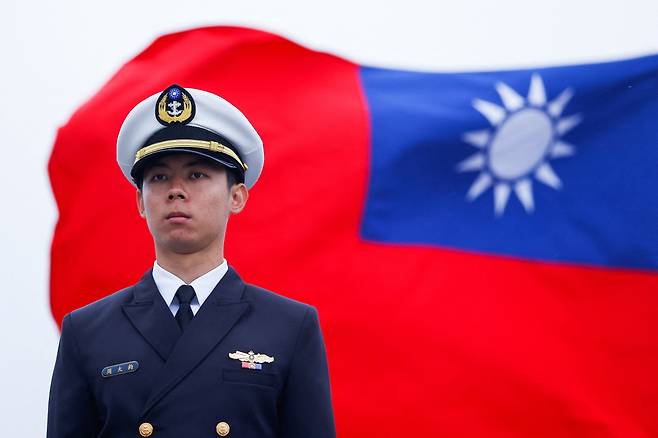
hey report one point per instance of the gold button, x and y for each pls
(146, 429)
(223, 428)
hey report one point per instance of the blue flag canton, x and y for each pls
(549, 164)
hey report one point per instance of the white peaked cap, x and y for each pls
(207, 125)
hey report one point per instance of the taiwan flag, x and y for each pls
(482, 247)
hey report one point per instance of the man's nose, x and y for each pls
(176, 193)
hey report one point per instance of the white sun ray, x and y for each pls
(556, 106)
(525, 134)
(493, 113)
(481, 183)
(523, 190)
(546, 174)
(510, 98)
(474, 162)
(568, 123)
(536, 93)
(562, 149)
(479, 139)
(501, 195)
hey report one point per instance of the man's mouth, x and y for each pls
(177, 216)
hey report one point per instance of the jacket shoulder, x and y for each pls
(276, 302)
(103, 308)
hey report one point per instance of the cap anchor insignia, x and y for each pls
(168, 110)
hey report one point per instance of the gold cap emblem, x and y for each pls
(175, 104)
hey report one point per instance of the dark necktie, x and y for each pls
(185, 293)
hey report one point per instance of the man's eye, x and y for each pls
(158, 177)
(197, 175)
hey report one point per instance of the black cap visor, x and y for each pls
(182, 133)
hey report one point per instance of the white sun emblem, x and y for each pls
(525, 134)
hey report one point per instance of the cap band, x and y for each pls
(212, 146)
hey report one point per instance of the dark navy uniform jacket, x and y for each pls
(185, 384)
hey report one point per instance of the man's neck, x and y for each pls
(189, 267)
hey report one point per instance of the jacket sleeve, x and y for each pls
(306, 409)
(71, 407)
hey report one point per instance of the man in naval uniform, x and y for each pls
(190, 350)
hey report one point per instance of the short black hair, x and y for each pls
(231, 178)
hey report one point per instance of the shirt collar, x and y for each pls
(168, 283)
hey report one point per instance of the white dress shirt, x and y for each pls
(168, 284)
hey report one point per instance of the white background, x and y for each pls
(56, 54)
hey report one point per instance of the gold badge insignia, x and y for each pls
(175, 104)
(251, 360)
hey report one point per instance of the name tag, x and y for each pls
(120, 368)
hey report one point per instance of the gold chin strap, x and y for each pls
(212, 146)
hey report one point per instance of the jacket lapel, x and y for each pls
(150, 315)
(221, 311)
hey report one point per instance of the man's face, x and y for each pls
(186, 202)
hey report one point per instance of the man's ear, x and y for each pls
(140, 203)
(239, 195)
